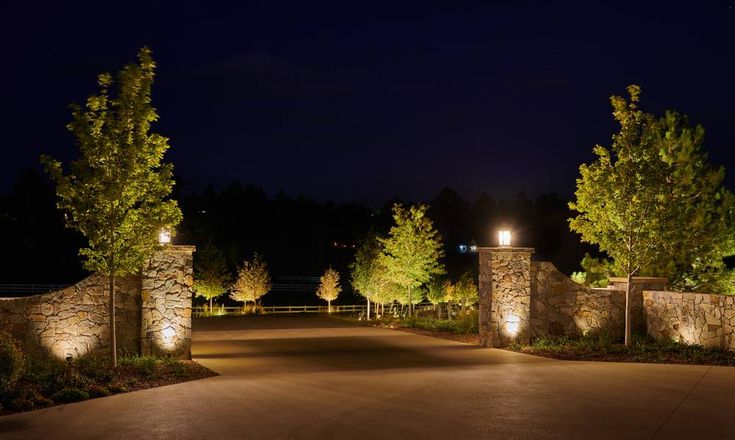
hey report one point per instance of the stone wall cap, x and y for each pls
(179, 248)
(506, 249)
(639, 279)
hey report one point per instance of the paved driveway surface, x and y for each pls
(316, 378)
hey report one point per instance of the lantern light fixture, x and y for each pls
(164, 237)
(504, 238)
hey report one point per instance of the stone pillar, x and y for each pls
(166, 303)
(505, 295)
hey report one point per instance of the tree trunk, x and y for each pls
(113, 336)
(449, 310)
(628, 299)
(329, 306)
(211, 310)
(410, 303)
(368, 309)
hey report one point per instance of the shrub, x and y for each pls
(146, 366)
(69, 395)
(95, 366)
(12, 362)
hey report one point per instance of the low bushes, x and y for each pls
(32, 383)
(12, 362)
(465, 324)
(643, 349)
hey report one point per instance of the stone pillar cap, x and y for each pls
(506, 249)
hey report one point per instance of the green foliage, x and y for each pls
(211, 276)
(604, 347)
(618, 195)
(253, 280)
(465, 291)
(329, 287)
(117, 193)
(596, 271)
(145, 366)
(12, 362)
(412, 250)
(435, 291)
(369, 275)
(465, 324)
(69, 395)
(654, 204)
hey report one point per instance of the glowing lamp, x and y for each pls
(164, 237)
(504, 238)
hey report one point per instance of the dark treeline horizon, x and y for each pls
(297, 235)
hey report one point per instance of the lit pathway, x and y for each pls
(308, 377)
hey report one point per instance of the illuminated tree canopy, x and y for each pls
(253, 281)
(412, 250)
(653, 203)
(117, 192)
(329, 287)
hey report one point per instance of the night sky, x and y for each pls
(355, 101)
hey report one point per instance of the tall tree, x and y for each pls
(700, 209)
(329, 287)
(211, 276)
(368, 272)
(253, 281)
(412, 250)
(117, 192)
(619, 196)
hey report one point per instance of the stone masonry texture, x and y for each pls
(75, 320)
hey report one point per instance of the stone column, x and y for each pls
(505, 295)
(166, 303)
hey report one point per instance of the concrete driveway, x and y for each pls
(317, 378)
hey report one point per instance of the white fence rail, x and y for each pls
(218, 311)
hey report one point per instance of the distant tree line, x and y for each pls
(296, 235)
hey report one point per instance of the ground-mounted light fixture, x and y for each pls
(164, 237)
(503, 238)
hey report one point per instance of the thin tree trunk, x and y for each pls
(113, 336)
(211, 310)
(628, 294)
(368, 309)
(329, 306)
(410, 303)
(449, 310)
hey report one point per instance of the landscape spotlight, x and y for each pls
(164, 237)
(504, 238)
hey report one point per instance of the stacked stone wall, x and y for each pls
(692, 318)
(562, 307)
(75, 321)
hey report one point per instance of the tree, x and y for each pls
(253, 281)
(595, 271)
(700, 209)
(412, 250)
(466, 290)
(368, 272)
(117, 192)
(211, 276)
(329, 287)
(654, 204)
(435, 294)
(619, 196)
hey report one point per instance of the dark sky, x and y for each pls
(357, 101)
